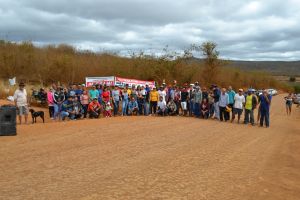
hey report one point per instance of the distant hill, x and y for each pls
(273, 67)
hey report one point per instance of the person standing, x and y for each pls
(231, 95)
(59, 97)
(239, 102)
(184, 99)
(21, 102)
(249, 108)
(216, 95)
(116, 96)
(93, 93)
(125, 101)
(224, 101)
(84, 100)
(288, 103)
(50, 101)
(197, 101)
(177, 97)
(264, 108)
(153, 100)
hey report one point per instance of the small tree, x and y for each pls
(211, 59)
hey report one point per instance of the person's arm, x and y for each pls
(15, 98)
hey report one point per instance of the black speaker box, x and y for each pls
(8, 125)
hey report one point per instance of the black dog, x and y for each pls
(34, 115)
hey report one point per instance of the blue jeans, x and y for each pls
(146, 108)
(65, 114)
(217, 110)
(116, 107)
(57, 109)
(191, 108)
(264, 116)
(197, 109)
(124, 106)
(140, 105)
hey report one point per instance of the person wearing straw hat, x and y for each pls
(21, 102)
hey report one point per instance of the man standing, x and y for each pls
(184, 99)
(231, 94)
(153, 100)
(249, 108)
(116, 96)
(264, 109)
(239, 101)
(216, 96)
(93, 93)
(21, 102)
(197, 101)
(224, 100)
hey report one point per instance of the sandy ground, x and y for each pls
(153, 158)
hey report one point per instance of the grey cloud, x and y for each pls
(244, 29)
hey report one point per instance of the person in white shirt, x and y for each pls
(239, 102)
(21, 102)
(161, 107)
(162, 93)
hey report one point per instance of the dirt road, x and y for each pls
(153, 158)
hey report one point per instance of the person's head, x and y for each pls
(84, 92)
(94, 87)
(147, 86)
(204, 100)
(154, 88)
(61, 88)
(126, 86)
(105, 89)
(70, 98)
(143, 87)
(240, 92)
(132, 99)
(22, 86)
(133, 86)
(223, 90)
(116, 87)
(204, 89)
(97, 86)
(138, 87)
(265, 92)
(95, 100)
(249, 92)
(51, 89)
(230, 88)
(74, 87)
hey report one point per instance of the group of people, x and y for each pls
(223, 104)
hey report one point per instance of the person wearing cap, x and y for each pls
(93, 93)
(58, 97)
(94, 109)
(239, 102)
(21, 102)
(162, 93)
(133, 107)
(50, 101)
(153, 100)
(231, 95)
(223, 103)
(264, 108)
(197, 101)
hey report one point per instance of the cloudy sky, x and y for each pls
(243, 29)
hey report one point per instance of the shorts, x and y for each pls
(289, 104)
(184, 105)
(237, 111)
(22, 110)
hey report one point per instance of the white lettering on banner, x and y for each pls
(130, 82)
(107, 80)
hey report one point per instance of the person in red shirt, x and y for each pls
(105, 95)
(94, 109)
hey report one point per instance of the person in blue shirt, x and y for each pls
(231, 93)
(93, 93)
(133, 107)
(264, 108)
(67, 109)
(100, 90)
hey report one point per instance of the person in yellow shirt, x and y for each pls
(153, 100)
(249, 107)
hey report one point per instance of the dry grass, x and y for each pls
(43, 66)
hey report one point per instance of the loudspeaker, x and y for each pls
(8, 125)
